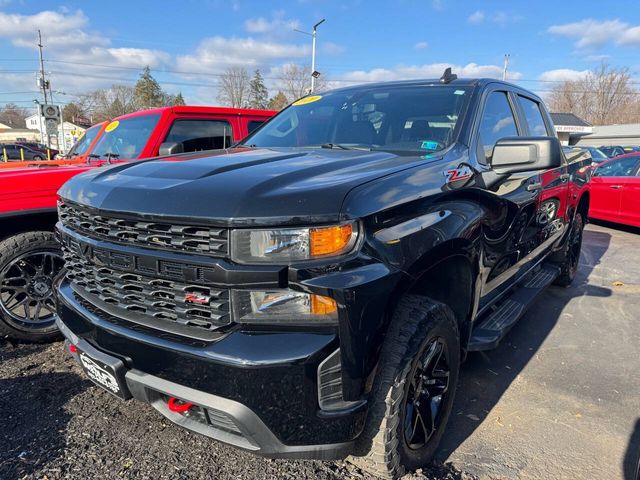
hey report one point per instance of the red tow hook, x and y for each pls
(178, 406)
(72, 348)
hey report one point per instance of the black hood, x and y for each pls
(242, 186)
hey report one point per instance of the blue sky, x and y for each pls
(189, 43)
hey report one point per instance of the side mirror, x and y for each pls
(170, 148)
(521, 154)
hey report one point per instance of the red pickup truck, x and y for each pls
(29, 254)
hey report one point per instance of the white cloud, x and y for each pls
(330, 48)
(562, 75)
(218, 53)
(505, 18)
(476, 17)
(421, 45)
(433, 70)
(67, 36)
(501, 18)
(591, 33)
(630, 36)
(277, 24)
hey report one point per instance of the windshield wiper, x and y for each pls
(342, 147)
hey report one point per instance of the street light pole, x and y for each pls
(313, 55)
(314, 74)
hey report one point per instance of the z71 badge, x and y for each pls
(457, 174)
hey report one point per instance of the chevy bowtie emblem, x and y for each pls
(194, 297)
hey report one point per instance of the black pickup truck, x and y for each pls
(311, 292)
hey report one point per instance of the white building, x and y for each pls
(65, 138)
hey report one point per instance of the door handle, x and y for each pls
(532, 187)
(617, 187)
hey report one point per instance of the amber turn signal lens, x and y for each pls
(325, 241)
(322, 305)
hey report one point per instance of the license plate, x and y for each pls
(104, 375)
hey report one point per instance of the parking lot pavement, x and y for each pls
(560, 398)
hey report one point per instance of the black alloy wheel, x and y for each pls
(426, 394)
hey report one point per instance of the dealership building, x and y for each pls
(572, 130)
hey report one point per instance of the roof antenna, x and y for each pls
(447, 76)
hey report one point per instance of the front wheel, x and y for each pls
(37, 157)
(28, 263)
(570, 256)
(414, 389)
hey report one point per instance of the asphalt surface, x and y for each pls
(560, 398)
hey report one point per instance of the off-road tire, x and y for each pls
(10, 249)
(567, 259)
(381, 449)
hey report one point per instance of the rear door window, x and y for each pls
(201, 134)
(534, 117)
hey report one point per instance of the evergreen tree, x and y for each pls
(258, 93)
(178, 100)
(278, 102)
(148, 93)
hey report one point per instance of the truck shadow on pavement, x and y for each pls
(33, 421)
(631, 465)
(485, 376)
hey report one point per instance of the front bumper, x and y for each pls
(256, 391)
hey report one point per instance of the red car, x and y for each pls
(30, 256)
(615, 190)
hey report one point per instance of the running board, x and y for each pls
(494, 326)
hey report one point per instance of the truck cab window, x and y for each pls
(197, 135)
(533, 115)
(497, 122)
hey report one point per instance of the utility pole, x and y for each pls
(506, 66)
(43, 83)
(314, 73)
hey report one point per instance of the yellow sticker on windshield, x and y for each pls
(305, 100)
(112, 126)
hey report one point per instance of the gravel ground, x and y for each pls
(543, 405)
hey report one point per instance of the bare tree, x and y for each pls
(109, 103)
(604, 96)
(13, 116)
(234, 87)
(295, 81)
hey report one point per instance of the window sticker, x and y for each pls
(112, 126)
(305, 100)
(459, 92)
(429, 145)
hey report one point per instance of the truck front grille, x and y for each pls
(145, 233)
(185, 309)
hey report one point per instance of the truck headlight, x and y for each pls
(287, 245)
(282, 307)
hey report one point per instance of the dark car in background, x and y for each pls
(597, 155)
(39, 147)
(612, 151)
(11, 151)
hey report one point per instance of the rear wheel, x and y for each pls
(28, 263)
(570, 257)
(37, 157)
(414, 389)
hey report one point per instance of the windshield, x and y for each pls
(398, 118)
(596, 154)
(125, 138)
(82, 145)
